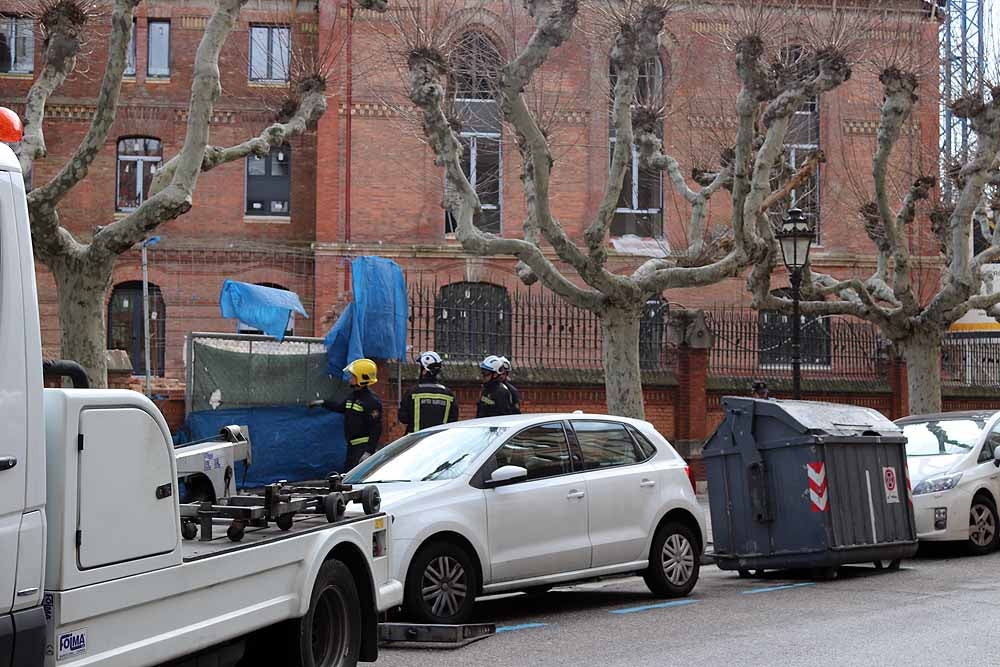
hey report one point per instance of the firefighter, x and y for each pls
(429, 403)
(496, 399)
(759, 390)
(505, 368)
(362, 412)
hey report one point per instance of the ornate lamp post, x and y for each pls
(796, 237)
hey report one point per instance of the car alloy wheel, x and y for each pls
(677, 558)
(982, 525)
(444, 586)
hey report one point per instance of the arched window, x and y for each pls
(640, 205)
(289, 329)
(475, 68)
(138, 160)
(472, 320)
(774, 338)
(125, 328)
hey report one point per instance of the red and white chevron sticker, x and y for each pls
(817, 486)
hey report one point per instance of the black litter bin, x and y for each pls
(799, 484)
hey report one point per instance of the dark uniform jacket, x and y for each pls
(427, 404)
(497, 399)
(362, 418)
(515, 396)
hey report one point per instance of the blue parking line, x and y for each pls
(754, 591)
(647, 607)
(523, 626)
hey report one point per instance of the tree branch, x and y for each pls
(800, 177)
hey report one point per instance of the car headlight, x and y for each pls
(936, 484)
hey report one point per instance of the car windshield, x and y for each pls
(942, 436)
(426, 456)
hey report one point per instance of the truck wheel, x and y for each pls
(441, 584)
(371, 500)
(334, 506)
(673, 561)
(329, 635)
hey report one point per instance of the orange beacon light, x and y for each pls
(11, 129)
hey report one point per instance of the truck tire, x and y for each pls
(673, 561)
(329, 635)
(441, 584)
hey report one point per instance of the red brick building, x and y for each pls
(364, 183)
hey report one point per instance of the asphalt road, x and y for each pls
(939, 609)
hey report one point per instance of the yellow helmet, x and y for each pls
(364, 370)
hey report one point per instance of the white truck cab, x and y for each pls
(100, 563)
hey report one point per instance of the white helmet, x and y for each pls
(504, 364)
(430, 361)
(492, 364)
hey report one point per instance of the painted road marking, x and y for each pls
(647, 607)
(523, 626)
(754, 591)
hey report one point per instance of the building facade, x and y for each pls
(364, 183)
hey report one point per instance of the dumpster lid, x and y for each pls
(819, 418)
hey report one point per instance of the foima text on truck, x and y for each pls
(99, 562)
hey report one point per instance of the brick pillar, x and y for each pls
(899, 401)
(693, 341)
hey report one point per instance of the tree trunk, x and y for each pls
(622, 378)
(81, 285)
(923, 372)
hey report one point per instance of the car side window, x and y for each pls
(605, 444)
(989, 447)
(541, 450)
(646, 448)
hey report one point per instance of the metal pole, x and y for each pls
(145, 316)
(796, 280)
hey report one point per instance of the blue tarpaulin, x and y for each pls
(293, 443)
(374, 325)
(265, 308)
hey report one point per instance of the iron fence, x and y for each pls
(464, 322)
(971, 359)
(749, 343)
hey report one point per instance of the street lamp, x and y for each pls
(796, 237)
(152, 240)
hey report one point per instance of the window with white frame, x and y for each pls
(269, 183)
(17, 45)
(802, 143)
(130, 53)
(158, 62)
(475, 66)
(270, 53)
(138, 160)
(640, 204)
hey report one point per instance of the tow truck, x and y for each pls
(99, 561)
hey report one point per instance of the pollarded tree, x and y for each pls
(82, 268)
(772, 87)
(890, 298)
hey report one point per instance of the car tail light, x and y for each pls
(687, 471)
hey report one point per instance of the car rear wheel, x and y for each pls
(441, 584)
(983, 526)
(674, 561)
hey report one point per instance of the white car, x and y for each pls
(954, 466)
(526, 502)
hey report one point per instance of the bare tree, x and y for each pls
(769, 94)
(914, 319)
(82, 270)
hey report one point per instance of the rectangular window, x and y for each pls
(482, 166)
(640, 204)
(605, 444)
(130, 53)
(801, 143)
(159, 49)
(270, 53)
(269, 183)
(17, 45)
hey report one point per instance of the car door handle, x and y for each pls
(646, 483)
(575, 495)
(7, 462)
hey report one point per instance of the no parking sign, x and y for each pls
(891, 484)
